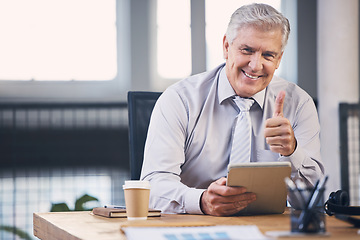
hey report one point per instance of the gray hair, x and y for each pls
(258, 15)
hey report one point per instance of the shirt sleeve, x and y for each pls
(306, 159)
(164, 156)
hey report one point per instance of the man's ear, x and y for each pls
(225, 47)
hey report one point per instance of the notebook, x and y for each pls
(115, 212)
(266, 180)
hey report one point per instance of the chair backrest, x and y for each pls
(140, 106)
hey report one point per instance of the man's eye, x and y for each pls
(269, 56)
(247, 50)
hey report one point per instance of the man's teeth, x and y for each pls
(250, 76)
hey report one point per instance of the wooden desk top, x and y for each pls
(85, 226)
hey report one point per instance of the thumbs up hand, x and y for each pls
(278, 130)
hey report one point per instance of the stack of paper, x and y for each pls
(195, 233)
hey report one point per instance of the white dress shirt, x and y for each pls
(190, 134)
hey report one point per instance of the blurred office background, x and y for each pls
(66, 67)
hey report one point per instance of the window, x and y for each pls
(173, 39)
(64, 48)
(58, 40)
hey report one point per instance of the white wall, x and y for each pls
(338, 75)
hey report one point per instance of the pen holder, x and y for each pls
(309, 219)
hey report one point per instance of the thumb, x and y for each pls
(221, 181)
(279, 104)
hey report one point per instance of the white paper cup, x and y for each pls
(137, 195)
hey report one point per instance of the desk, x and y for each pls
(85, 226)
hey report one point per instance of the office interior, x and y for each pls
(63, 139)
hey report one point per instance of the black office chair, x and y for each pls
(140, 106)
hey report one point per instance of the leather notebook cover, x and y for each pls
(115, 212)
(266, 180)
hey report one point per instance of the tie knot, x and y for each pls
(244, 104)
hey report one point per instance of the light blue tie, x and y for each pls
(241, 143)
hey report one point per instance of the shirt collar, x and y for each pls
(226, 91)
(260, 97)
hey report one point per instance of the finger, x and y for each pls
(277, 122)
(283, 131)
(243, 197)
(221, 181)
(283, 145)
(246, 197)
(279, 104)
(233, 207)
(238, 204)
(274, 142)
(219, 187)
(226, 191)
(246, 201)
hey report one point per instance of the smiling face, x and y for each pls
(251, 59)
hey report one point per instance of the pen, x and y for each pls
(304, 191)
(297, 200)
(312, 192)
(114, 206)
(317, 194)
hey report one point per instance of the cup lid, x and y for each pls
(136, 184)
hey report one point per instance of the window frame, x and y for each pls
(198, 53)
(107, 90)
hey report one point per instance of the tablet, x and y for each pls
(266, 180)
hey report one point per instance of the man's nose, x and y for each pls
(256, 63)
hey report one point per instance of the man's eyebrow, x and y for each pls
(245, 46)
(272, 53)
(251, 48)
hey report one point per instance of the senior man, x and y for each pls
(191, 137)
